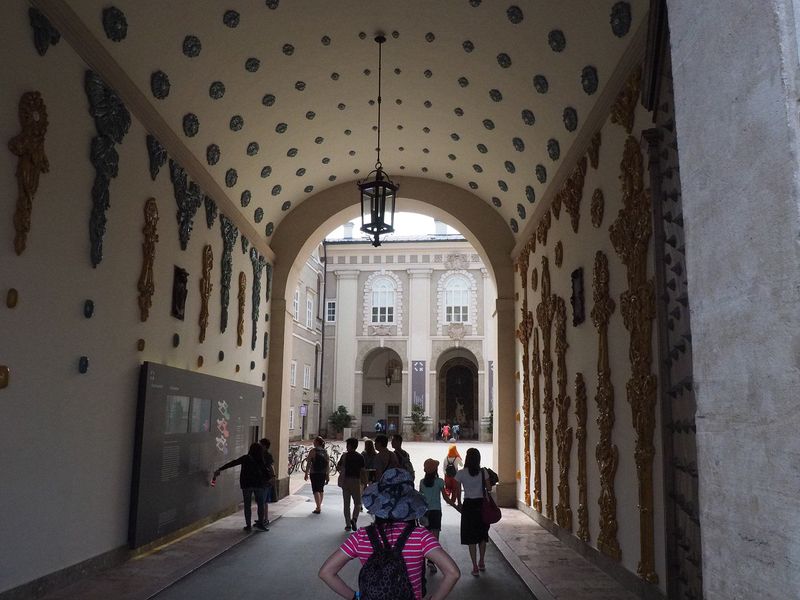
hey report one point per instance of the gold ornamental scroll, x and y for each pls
(580, 435)
(536, 407)
(240, 321)
(146, 285)
(606, 453)
(572, 193)
(563, 432)
(630, 235)
(205, 290)
(28, 146)
(623, 111)
(544, 316)
(523, 335)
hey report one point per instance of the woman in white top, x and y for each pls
(474, 533)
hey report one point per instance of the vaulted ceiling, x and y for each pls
(277, 98)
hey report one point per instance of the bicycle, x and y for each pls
(296, 455)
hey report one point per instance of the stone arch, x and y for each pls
(306, 225)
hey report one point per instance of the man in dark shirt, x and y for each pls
(269, 480)
(385, 458)
(403, 459)
(350, 465)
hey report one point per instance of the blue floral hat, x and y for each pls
(394, 497)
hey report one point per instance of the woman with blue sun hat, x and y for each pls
(396, 506)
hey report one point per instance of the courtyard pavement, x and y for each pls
(221, 561)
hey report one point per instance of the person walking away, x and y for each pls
(396, 505)
(269, 482)
(369, 455)
(474, 533)
(432, 487)
(350, 465)
(456, 431)
(251, 480)
(403, 459)
(452, 463)
(318, 465)
(446, 432)
(385, 459)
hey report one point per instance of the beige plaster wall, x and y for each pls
(67, 447)
(579, 251)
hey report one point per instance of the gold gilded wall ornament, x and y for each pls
(543, 228)
(580, 435)
(630, 235)
(536, 369)
(563, 431)
(29, 147)
(12, 297)
(140, 344)
(572, 193)
(556, 206)
(146, 285)
(240, 321)
(558, 254)
(534, 279)
(205, 289)
(606, 452)
(5, 376)
(523, 332)
(623, 111)
(544, 316)
(594, 150)
(597, 207)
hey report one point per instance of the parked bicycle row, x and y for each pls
(298, 457)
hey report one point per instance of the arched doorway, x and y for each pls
(458, 395)
(382, 392)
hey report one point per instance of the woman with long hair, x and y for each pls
(369, 453)
(452, 463)
(474, 533)
(432, 487)
(251, 480)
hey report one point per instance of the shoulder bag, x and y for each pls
(490, 513)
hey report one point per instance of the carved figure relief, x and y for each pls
(258, 263)
(543, 228)
(558, 254)
(457, 262)
(524, 331)
(205, 289)
(563, 431)
(572, 193)
(580, 435)
(180, 282)
(606, 452)
(536, 368)
(240, 321)
(229, 234)
(597, 208)
(630, 236)
(623, 111)
(594, 150)
(44, 34)
(146, 285)
(32, 162)
(456, 331)
(188, 197)
(381, 330)
(544, 316)
(112, 121)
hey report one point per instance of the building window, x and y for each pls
(330, 311)
(306, 377)
(367, 410)
(293, 374)
(393, 410)
(456, 302)
(383, 301)
(309, 311)
(291, 417)
(296, 305)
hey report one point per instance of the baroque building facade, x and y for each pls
(409, 323)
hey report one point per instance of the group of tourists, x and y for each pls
(407, 519)
(256, 479)
(448, 432)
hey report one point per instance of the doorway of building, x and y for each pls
(381, 392)
(458, 395)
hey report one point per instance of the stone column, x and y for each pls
(348, 313)
(419, 328)
(505, 431)
(489, 350)
(735, 69)
(278, 400)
